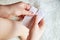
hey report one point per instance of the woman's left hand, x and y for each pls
(36, 29)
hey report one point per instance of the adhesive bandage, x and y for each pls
(36, 11)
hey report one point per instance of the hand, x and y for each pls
(6, 11)
(16, 9)
(36, 29)
(33, 33)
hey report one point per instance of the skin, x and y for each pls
(36, 29)
(6, 12)
(15, 28)
(16, 9)
(5, 28)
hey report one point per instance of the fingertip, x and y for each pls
(28, 7)
(28, 13)
(41, 23)
(25, 6)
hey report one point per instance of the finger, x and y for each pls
(41, 24)
(35, 20)
(24, 5)
(28, 7)
(21, 17)
(32, 23)
(28, 13)
(33, 29)
(23, 12)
